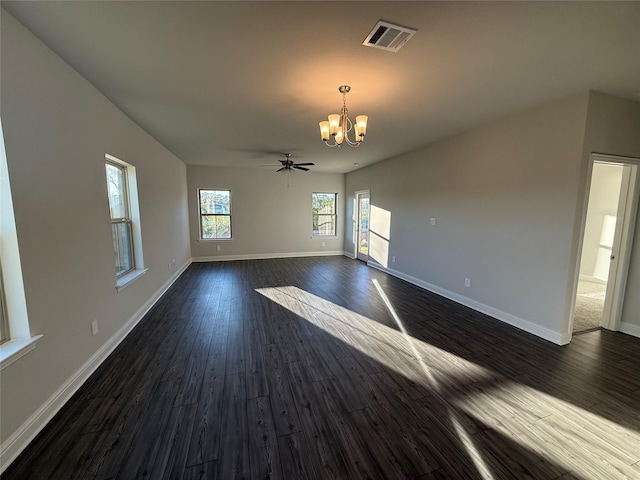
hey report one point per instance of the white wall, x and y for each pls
(268, 218)
(508, 199)
(57, 130)
(613, 127)
(504, 198)
(630, 321)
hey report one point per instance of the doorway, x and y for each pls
(606, 243)
(362, 225)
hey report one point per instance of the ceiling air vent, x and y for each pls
(388, 36)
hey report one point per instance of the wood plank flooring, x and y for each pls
(324, 368)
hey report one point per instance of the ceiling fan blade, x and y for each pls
(281, 169)
(270, 165)
(301, 168)
(304, 164)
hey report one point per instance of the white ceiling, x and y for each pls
(234, 83)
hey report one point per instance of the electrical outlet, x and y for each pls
(94, 326)
(393, 259)
(218, 248)
(173, 262)
(467, 282)
(324, 244)
(432, 221)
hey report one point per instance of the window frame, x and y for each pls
(127, 220)
(334, 215)
(202, 215)
(18, 338)
(135, 230)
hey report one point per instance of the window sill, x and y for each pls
(14, 349)
(209, 240)
(124, 281)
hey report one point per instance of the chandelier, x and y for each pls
(338, 126)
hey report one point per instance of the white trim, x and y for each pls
(623, 245)
(630, 329)
(335, 216)
(134, 214)
(619, 159)
(208, 240)
(18, 440)
(126, 280)
(349, 254)
(530, 327)
(15, 301)
(261, 256)
(613, 312)
(14, 349)
(198, 209)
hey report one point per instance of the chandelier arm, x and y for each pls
(350, 128)
(349, 124)
(352, 144)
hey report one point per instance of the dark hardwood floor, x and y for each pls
(324, 368)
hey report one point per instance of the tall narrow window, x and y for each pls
(121, 224)
(15, 332)
(323, 213)
(215, 214)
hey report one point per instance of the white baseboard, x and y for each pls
(630, 329)
(530, 327)
(262, 256)
(20, 439)
(349, 254)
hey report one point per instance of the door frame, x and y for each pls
(356, 224)
(622, 245)
(623, 238)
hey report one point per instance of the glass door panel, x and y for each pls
(362, 227)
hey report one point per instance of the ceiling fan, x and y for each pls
(289, 165)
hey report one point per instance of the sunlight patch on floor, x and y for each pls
(383, 344)
(566, 438)
(372, 338)
(513, 409)
(463, 435)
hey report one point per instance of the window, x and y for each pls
(122, 191)
(15, 332)
(215, 214)
(323, 208)
(121, 224)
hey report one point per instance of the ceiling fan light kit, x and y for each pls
(339, 125)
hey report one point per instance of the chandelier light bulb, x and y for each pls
(361, 127)
(334, 123)
(324, 130)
